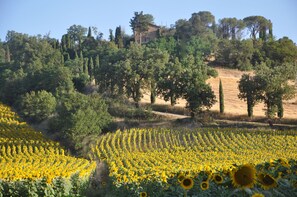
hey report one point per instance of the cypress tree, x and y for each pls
(119, 37)
(221, 95)
(91, 68)
(62, 59)
(89, 32)
(7, 54)
(81, 62)
(86, 62)
(111, 36)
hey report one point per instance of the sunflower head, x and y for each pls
(244, 176)
(258, 195)
(204, 185)
(266, 181)
(187, 183)
(218, 178)
(181, 177)
(143, 194)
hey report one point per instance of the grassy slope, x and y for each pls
(233, 105)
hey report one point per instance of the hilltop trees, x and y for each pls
(140, 23)
(259, 25)
(230, 28)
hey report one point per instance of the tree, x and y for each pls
(198, 96)
(140, 23)
(202, 23)
(111, 36)
(7, 54)
(251, 91)
(91, 68)
(77, 33)
(37, 106)
(80, 116)
(221, 95)
(230, 28)
(258, 25)
(119, 40)
(281, 51)
(170, 84)
(89, 33)
(276, 87)
(235, 54)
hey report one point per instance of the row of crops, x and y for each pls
(32, 165)
(202, 162)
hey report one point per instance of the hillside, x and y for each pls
(33, 164)
(233, 105)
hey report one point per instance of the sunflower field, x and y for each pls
(201, 162)
(32, 165)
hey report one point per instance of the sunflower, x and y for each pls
(143, 194)
(181, 177)
(217, 178)
(244, 176)
(258, 195)
(187, 183)
(204, 185)
(266, 181)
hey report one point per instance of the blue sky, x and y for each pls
(55, 16)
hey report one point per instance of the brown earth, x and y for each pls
(233, 105)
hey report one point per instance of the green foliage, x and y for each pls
(221, 95)
(250, 90)
(140, 21)
(199, 96)
(81, 115)
(230, 28)
(60, 187)
(77, 33)
(235, 54)
(281, 51)
(200, 24)
(258, 25)
(275, 85)
(37, 106)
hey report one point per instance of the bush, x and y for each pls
(81, 115)
(37, 106)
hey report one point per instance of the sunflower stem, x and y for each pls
(185, 193)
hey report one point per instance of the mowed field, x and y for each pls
(233, 105)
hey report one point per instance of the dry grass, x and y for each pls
(233, 105)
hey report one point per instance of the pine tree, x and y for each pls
(221, 95)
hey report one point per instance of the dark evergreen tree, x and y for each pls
(89, 33)
(7, 54)
(119, 37)
(111, 36)
(91, 68)
(221, 95)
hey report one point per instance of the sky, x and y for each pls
(35, 17)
